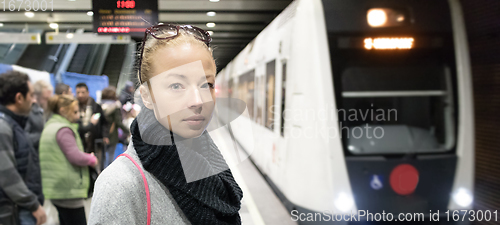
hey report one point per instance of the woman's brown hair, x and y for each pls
(66, 102)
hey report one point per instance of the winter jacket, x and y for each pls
(34, 126)
(112, 112)
(89, 132)
(20, 179)
(60, 178)
(120, 196)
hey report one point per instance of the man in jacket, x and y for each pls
(21, 195)
(91, 128)
(39, 113)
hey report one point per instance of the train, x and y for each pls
(360, 107)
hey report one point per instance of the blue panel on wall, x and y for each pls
(94, 82)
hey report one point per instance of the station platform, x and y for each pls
(259, 205)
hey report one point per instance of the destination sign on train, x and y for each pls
(112, 17)
(389, 43)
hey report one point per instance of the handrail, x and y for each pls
(361, 94)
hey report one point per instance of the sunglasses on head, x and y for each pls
(170, 31)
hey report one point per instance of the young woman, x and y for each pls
(111, 108)
(64, 165)
(185, 180)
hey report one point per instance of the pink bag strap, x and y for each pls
(146, 186)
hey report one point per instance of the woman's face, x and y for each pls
(71, 113)
(183, 89)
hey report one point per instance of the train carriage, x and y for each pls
(360, 106)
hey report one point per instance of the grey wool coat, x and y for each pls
(120, 197)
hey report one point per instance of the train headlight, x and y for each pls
(376, 17)
(344, 202)
(463, 197)
(387, 17)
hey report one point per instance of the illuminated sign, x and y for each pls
(389, 43)
(130, 17)
(20, 38)
(125, 4)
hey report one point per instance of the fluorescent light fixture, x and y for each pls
(343, 202)
(210, 24)
(53, 25)
(214, 0)
(211, 13)
(29, 14)
(69, 35)
(90, 13)
(210, 32)
(463, 197)
(376, 17)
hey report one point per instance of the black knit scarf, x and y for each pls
(213, 199)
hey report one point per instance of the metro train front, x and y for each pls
(374, 105)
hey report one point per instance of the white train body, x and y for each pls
(306, 160)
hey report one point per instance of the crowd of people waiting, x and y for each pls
(54, 146)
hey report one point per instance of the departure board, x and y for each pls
(113, 17)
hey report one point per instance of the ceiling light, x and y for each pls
(71, 0)
(53, 25)
(29, 14)
(214, 0)
(210, 32)
(1, 24)
(211, 13)
(69, 35)
(210, 24)
(90, 13)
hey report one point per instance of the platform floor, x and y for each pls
(259, 206)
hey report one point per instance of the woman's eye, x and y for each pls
(209, 85)
(175, 86)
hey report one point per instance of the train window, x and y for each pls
(246, 91)
(270, 81)
(230, 88)
(259, 103)
(283, 97)
(364, 79)
(397, 110)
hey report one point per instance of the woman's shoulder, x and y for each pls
(124, 176)
(122, 172)
(118, 193)
(120, 196)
